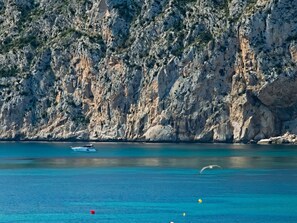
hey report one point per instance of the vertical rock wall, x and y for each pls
(165, 70)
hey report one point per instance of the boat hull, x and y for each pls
(83, 149)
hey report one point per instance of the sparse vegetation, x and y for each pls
(205, 37)
(222, 5)
(185, 1)
(81, 119)
(78, 33)
(291, 38)
(19, 43)
(9, 71)
(250, 4)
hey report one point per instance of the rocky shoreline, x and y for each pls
(284, 139)
(289, 139)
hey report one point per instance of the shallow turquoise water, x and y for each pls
(122, 182)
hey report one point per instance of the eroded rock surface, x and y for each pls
(206, 70)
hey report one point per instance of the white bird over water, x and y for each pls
(209, 167)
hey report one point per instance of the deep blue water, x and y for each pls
(129, 183)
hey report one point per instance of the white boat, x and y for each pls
(84, 148)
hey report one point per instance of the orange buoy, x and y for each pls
(92, 211)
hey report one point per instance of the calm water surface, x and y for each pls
(122, 182)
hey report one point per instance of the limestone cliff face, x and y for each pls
(205, 70)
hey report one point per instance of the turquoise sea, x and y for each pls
(156, 183)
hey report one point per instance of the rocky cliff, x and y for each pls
(205, 70)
